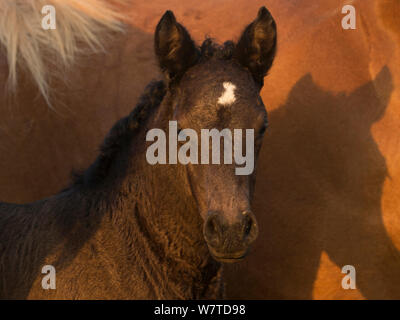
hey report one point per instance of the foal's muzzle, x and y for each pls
(229, 242)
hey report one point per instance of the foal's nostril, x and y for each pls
(247, 226)
(250, 226)
(212, 230)
(212, 226)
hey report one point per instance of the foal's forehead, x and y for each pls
(219, 83)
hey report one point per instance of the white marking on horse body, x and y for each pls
(228, 96)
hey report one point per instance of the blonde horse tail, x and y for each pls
(26, 43)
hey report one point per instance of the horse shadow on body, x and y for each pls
(319, 186)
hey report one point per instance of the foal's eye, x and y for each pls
(263, 129)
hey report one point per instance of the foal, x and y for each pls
(128, 229)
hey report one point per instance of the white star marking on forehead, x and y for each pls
(228, 96)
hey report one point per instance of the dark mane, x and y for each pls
(121, 134)
(210, 49)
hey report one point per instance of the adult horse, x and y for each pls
(328, 178)
(130, 228)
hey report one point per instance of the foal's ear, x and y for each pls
(257, 46)
(175, 50)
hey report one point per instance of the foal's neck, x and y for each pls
(156, 202)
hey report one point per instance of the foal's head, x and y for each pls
(218, 87)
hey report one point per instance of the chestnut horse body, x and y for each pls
(328, 180)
